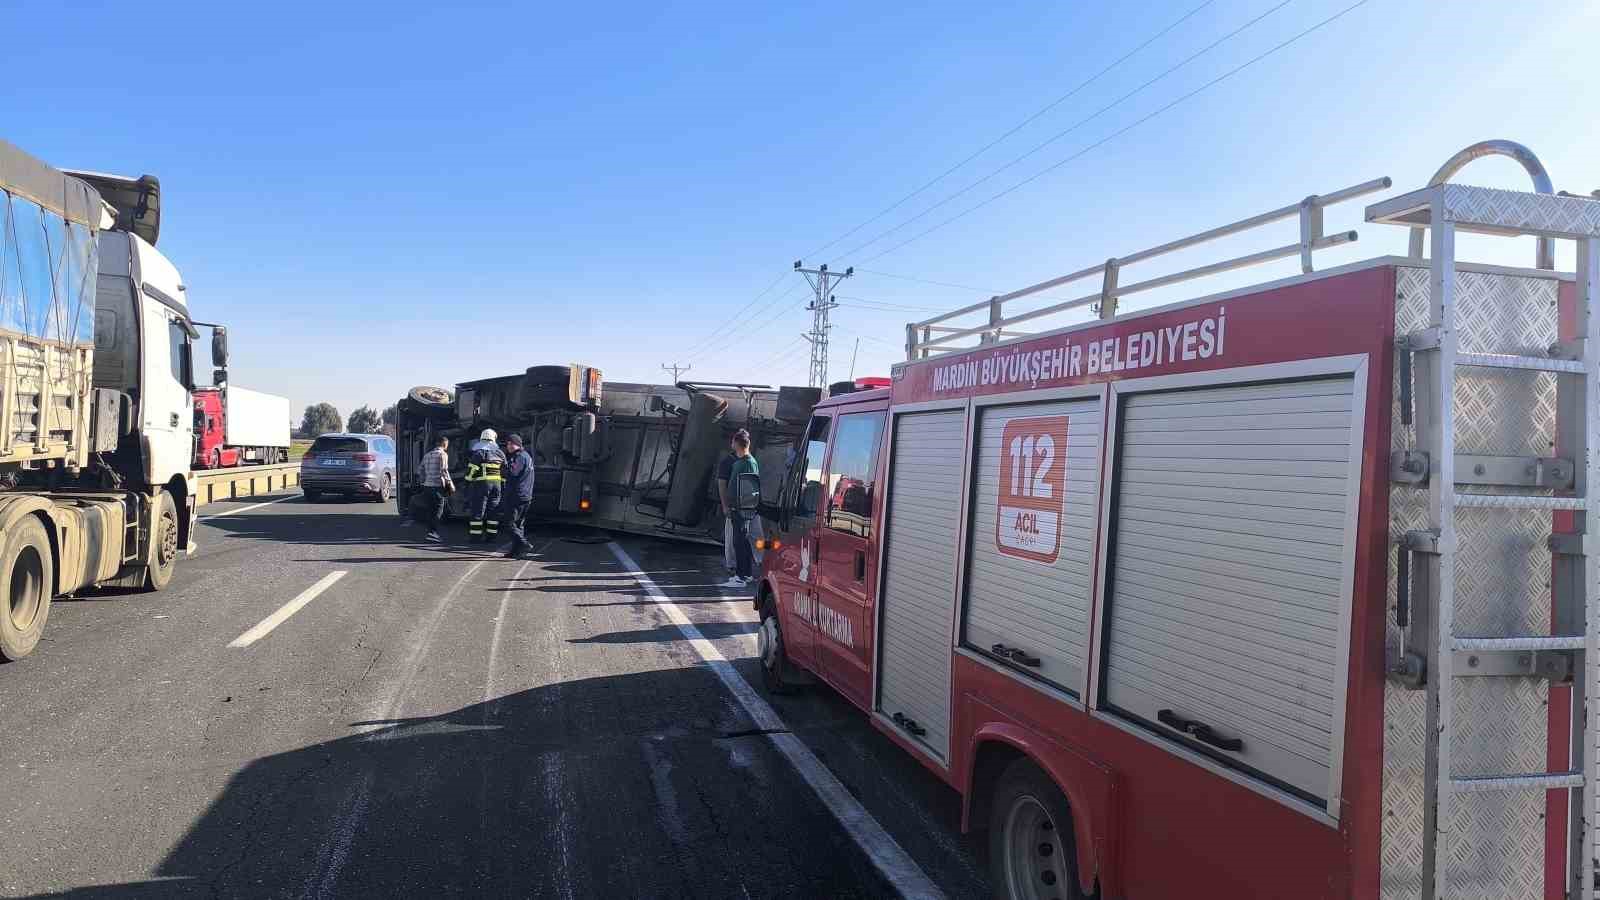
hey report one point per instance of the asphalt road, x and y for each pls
(437, 722)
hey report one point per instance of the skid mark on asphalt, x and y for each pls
(330, 863)
(886, 854)
(335, 853)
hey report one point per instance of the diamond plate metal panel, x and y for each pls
(1520, 210)
(1502, 587)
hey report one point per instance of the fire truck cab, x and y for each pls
(1223, 598)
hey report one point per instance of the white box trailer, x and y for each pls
(254, 419)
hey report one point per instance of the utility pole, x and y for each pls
(674, 368)
(821, 281)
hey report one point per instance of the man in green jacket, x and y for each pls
(744, 554)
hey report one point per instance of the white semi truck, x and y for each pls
(96, 369)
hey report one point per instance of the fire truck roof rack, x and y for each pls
(929, 337)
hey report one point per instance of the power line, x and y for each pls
(758, 319)
(1124, 130)
(705, 341)
(868, 303)
(948, 284)
(1073, 127)
(1016, 128)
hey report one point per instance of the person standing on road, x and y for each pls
(518, 495)
(436, 485)
(743, 464)
(484, 460)
(730, 559)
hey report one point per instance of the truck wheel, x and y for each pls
(158, 572)
(1032, 855)
(774, 662)
(216, 459)
(26, 574)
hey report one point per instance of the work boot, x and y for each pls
(516, 552)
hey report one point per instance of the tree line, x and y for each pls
(323, 418)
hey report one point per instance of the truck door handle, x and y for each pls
(861, 565)
(1200, 731)
(1015, 654)
(908, 724)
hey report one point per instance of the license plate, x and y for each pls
(335, 462)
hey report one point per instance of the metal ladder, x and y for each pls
(1436, 656)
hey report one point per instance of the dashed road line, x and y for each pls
(265, 626)
(886, 854)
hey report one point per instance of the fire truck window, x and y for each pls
(809, 484)
(851, 471)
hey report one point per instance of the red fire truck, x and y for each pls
(1276, 592)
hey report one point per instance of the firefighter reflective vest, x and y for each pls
(485, 462)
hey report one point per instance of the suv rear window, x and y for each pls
(338, 445)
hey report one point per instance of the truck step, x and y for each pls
(1512, 644)
(1540, 781)
(1506, 361)
(1520, 501)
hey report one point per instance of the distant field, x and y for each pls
(297, 449)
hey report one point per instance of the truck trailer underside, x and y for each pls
(638, 458)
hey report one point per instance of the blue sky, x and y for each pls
(376, 196)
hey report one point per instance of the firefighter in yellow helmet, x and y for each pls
(484, 461)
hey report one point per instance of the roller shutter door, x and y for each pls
(1228, 571)
(1031, 574)
(919, 574)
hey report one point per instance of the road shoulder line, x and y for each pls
(886, 854)
(231, 512)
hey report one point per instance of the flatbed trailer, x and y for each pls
(1284, 591)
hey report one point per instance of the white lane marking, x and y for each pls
(886, 854)
(229, 512)
(265, 626)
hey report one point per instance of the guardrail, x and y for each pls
(213, 485)
(926, 337)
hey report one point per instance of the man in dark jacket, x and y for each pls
(518, 494)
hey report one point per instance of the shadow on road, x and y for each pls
(618, 786)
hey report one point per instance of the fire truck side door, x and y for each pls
(794, 576)
(846, 551)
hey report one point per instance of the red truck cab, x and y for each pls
(209, 449)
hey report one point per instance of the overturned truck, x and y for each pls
(627, 457)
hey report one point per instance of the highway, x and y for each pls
(321, 705)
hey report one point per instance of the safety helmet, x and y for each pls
(488, 435)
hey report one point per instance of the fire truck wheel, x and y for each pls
(774, 664)
(1031, 851)
(26, 573)
(164, 555)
